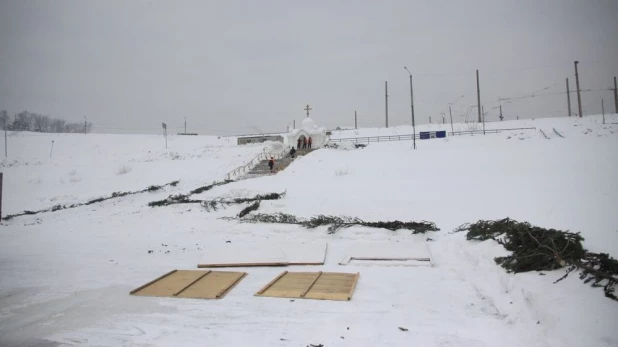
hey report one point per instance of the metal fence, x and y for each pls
(369, 139)
(241, 170)
(486, 131)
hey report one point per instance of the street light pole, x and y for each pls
(579, 97)
(412, 108)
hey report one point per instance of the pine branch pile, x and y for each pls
(215, 204)
(537, 249)
(253, 207)
(114, 195)
(334, 223)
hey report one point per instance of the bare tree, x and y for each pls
(41, 123)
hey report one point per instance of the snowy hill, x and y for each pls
(66, 275)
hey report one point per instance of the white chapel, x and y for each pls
(308, 129)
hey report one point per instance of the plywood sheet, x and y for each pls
(400, 253)
(240, 255)
(271, 254)
(194, 284)
(305, 253)
(312, 285)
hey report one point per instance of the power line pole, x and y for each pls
(412, 108)
(386, 100)
(501, 118)
(603, 110)
(294, 123)
(355, 121)
(579, 97)
(429, 119)
(483, 108)
(85, 126)
(185, 125)
(568, 96)
(615, 95)
(451, 114)
(478, 94)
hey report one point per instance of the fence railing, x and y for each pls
(368, 139)
(488, 131)
(241, 170)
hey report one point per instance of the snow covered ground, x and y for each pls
(66, 275)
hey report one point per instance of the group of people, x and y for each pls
(306, 143)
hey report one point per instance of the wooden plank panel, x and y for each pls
(312, 285)
(171, 284)
(333, 286)
(213, 286)
(401, 254)
(241, 255)
(191, 284)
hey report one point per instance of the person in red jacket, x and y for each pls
(310, 142)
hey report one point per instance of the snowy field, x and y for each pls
(66, 275)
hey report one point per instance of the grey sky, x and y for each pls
(243, 66)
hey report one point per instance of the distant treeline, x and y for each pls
(29, 121)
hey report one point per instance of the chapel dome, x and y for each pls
(308, 124)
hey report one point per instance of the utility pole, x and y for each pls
(294, 123)
(85, 126)
(429, 119)
(615, 95)
(483, 108)
(603, 110)
(386, 100)
(451, 114)
(412, 108)
(478, 94)
(185, 125)
(443, 118)
(355, 121)
(501, 118)
(568, 96)
(579, 97)
(6, 155)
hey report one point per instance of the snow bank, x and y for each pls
(66, 275)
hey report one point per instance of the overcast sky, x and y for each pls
(233, 67)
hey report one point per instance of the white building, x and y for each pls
(308, 129)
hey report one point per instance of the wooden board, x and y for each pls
(273, 254)
(307, 253)
(394, 254)
(312, 285)
(240, 255)
(194, 284)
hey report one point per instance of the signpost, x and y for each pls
(165, 133)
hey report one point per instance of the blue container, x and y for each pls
(441, 134)
(424, 135)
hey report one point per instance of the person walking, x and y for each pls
(271, 163)
(298, 144)
(304, 142)
(310, 142)
(292, 152)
